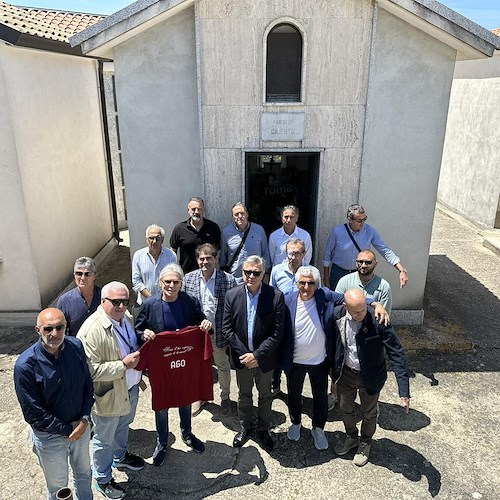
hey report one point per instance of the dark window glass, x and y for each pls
(284, 64)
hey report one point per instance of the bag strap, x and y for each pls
(352, 239)
(240, 246)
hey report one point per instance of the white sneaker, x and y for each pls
(293, 433)
(362, 454)
(320, 441)
(332, 401)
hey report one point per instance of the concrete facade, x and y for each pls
(376, 78)
(470, 170)
(54, 196)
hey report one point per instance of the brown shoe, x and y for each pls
(197, 407)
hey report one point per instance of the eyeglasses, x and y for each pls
(155, 238)
(117, 302)
(173, 282)
(249, 273)
(367, 262)
(83, 273)
(359, 221)
(304, 283)
(293, 254)
(58, 328)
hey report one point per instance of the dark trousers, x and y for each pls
(318, 377)
(337, 272)
(246, 378)
(348, 386)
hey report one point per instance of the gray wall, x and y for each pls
(470, 171)
(158, 109)
(406, 116)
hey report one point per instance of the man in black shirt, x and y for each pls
(191, 233)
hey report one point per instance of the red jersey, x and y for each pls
(180, 367)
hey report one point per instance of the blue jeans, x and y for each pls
(111, 439)
(161, 418)
(53, 452)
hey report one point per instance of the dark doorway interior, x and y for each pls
(279, 179)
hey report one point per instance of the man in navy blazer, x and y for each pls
(169, 310)
(253, 328)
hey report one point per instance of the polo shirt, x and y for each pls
(185, 238)
(75, 308)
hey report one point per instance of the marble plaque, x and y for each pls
(282, 126)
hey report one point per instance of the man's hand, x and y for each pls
(249, 360)
(145, 293)
(148, 335)
(403, 278)
(406, 404)
(205, 325)
(381, 314)
(79, 427)
(131, 360)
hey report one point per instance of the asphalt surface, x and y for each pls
(447, 447)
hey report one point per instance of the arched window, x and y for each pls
(284, 64)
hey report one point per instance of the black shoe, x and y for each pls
(242, 437)
(111, 490)
(266, 440)
(129, 461)
(194, 443)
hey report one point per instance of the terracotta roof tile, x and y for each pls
(496, 31)
(54, 25)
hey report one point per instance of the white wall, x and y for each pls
(406, 116)
(470, 170)
(56, 140)
(155, 76)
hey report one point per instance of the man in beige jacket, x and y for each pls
(110, 343)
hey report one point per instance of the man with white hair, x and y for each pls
(148, 262)
(110, 343)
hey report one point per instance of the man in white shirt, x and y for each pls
(280, 237)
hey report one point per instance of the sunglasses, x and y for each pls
(249, 273)
(359, 221)
(367, 262)
(117, 302)
(58, 328)
(304, 283)
(83, 273)
(173, 282)
(155, 238)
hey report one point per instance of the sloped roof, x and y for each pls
(69, 22)
(23, 22)
(469, 39)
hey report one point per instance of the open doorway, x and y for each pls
(276, 179)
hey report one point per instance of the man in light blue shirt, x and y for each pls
(148, 262)
(232, 253)
(347, 240)
(289, 230)
(365, 279)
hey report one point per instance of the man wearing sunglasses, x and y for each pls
(110, 343)
(347, 240)
(253, 328)
(55, 391)
(308, 348)
(366, 280)
(148, 262)
(80, 302)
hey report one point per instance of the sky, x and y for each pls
(483, 12)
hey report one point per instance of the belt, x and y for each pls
(357, 372)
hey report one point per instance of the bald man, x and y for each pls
(55, 391)
(360, 368)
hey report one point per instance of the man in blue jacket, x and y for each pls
(56, 394)
(360, 366)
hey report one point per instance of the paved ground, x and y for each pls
(447, 447)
